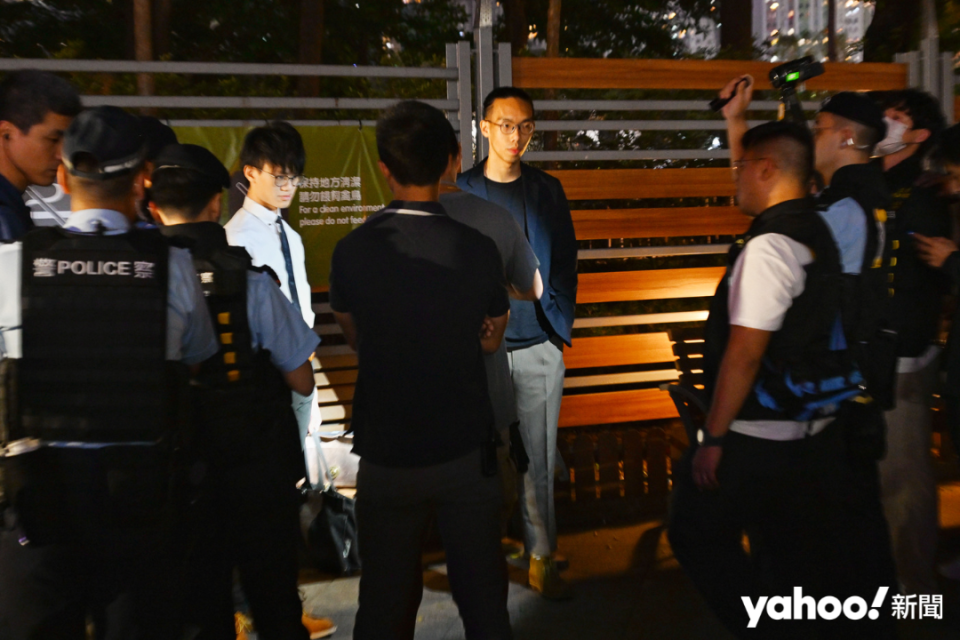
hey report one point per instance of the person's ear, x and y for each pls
(7, 129)
(251, 173)
(384, 170)
(921, 135)
(155, 212)
(485, 128)
(211, 213)
(62, 178)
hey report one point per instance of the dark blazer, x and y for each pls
(550, 233)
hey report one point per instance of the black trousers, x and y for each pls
(250, 521)
(813, 520)
(394, 509)
(93, 539)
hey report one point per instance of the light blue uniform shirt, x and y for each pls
(190, 335)
(848, 224)
(277, 325)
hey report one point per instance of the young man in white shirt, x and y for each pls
(273, 159)
(770, 461)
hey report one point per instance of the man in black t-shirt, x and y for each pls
(412, 290)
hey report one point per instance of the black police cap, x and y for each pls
(109, 140)
(858, 108)
(157, 135)
(194, 158)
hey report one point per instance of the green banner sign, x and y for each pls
(343, 184)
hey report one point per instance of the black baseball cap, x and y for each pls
(157, 135)
(858, 108)
(194, 158)
(108, 139)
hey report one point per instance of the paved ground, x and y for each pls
(628, 587)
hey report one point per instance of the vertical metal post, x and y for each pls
(912, 60)
(452, 89)
(485, 68)
(143, 43)
(464, 94)
(504, 65)
(947, 82)
(930, 58)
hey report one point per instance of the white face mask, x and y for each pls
(894, 140)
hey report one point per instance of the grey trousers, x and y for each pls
(537, 374)
(908, 488)
(394, 509)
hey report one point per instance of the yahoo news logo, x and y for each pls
(801, 607)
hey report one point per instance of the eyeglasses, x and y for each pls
(507, 128)
(740, 164)
(282, 181)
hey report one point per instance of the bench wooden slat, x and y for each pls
(607, 73)
(333, 378)
(653, 284)
(611, 184)
(345, 361)
(616, 406)
(636, 377)
(659, 223)
(336, 412)
(613, 351)
(335, 394)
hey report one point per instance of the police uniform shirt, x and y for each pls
(275, 324)
(190, 335)
(254, 227)
(767, 276)
(15, 217)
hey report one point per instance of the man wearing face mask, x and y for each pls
(908, 488)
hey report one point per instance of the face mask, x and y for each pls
(894, 140)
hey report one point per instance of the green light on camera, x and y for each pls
(793, 77)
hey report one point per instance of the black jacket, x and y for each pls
(551, 235)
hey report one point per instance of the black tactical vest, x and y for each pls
(806, 369)
(872, 336)
(242, 401)
(94, 364)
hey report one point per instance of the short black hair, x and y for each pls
(412, 140)
(505, 92)
(948, 151)
(923, 108)
(278, 143)
(27, 96)
(789, 143)
(185, 191)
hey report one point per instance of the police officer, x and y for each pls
(100, 319)
(770, 459)
(246, 431)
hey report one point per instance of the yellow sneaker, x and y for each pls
(545, 579)
(319, 627)
(243, 624)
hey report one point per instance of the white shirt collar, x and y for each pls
(85, 221)
(268, 216)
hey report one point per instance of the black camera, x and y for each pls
(792, 73)
(787, 76)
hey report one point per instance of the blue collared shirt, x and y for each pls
(190, 335)
(15, 217)
(276, 324)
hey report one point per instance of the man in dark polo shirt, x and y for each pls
(35, 110)
(412, 290)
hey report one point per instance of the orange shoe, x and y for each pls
(243, 624)
(319, 627)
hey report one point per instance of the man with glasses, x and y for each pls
(537, 330)
(769, 461)
(273, 159)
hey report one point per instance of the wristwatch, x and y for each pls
(704, 439)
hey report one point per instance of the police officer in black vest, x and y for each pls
(101, 321)
(770, 460)
(247, 435)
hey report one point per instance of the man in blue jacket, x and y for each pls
(537, 330)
